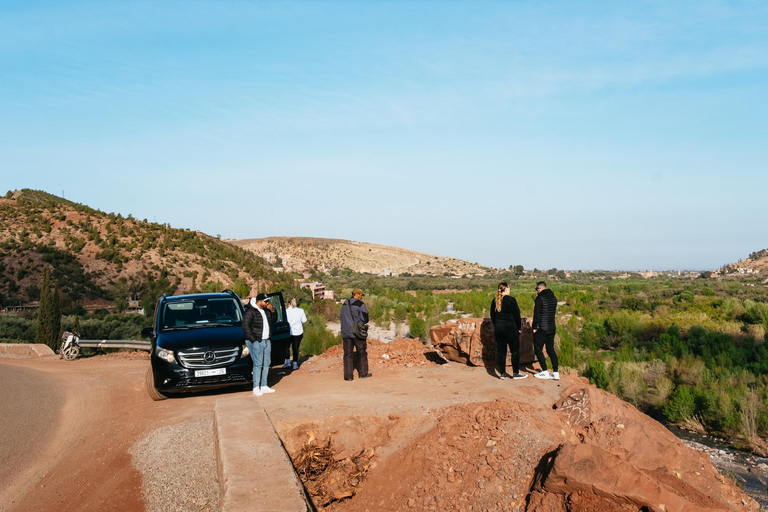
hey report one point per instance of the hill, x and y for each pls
(755, 263)
(327, 254)
(104, 256)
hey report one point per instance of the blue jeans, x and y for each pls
(261, 354)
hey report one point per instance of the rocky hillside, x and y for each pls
(326, 254)
(103, 256)
(755, 263)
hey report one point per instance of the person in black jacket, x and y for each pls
(544, 328)
(355, 349)
(505, 315)
(257, 320)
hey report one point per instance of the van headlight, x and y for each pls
(165, 354)
(245, 352)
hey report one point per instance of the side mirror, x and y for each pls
(147, 332)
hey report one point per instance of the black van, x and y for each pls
(198, 342)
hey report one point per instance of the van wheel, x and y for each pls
(154, 394)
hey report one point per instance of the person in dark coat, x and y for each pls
(505, 316)
(355, 349)
(544, 328)
(257, 319)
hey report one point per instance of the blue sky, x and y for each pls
(575, 135)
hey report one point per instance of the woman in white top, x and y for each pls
(296, 318)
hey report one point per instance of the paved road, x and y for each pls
(30, 408)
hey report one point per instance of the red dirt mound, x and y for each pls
(405, 352)
(589, 452)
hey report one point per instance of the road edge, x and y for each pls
(255, 471)
(24, 350)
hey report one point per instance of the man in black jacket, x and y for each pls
(355, 349)
(544, 328)
(257, 320)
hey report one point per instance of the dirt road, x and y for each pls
(68, 426)
(18, 453)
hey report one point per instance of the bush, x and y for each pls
(317, 338)
(18, 328)
(682, 405)
(596, 373)
(418, 327)
(661, 391)
(566, 350)
(592, 335)
(629, 381)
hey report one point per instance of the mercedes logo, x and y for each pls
(209, 356)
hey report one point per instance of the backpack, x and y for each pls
(359, 329)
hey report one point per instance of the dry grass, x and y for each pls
(327, 479)
(693, 424)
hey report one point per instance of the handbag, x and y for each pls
(359, 329)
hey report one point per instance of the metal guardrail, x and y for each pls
(134, 344)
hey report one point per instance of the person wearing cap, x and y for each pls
(355, 349)
(257, 320)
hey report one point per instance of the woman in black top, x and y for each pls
(505, 315)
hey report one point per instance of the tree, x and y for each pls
(48, 322)
(241, 289)
(56, 308)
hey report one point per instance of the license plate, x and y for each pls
(208, 373)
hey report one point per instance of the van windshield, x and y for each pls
(199, 312)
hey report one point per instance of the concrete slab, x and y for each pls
(24, 350)
(255, 472)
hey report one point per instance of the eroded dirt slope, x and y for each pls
(450, 437)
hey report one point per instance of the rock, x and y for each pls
(587, 468)
(471, 341)
(575, 403)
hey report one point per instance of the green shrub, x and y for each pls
(317, 339)
(592, 335)
(681, 405)
(566, 349)
(418, 327)
(597, 374)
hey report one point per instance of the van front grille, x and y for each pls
(214, 358)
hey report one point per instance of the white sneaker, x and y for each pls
(266, 389)
(295, 365)
(287, 363)
(555, 376)
(544, 374)
(519, 376)
(257, 392)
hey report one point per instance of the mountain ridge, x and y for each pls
(101, 255)
(326, 254)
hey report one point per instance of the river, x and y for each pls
(749, 471)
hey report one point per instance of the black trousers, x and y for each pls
(355, 357)
(295, 342)
(507, 335)
(541, 339)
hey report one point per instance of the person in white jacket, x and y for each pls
(296, 317)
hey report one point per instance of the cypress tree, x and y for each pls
(45, 312)
(56, 327)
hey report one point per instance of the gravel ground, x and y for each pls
(178, 467)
